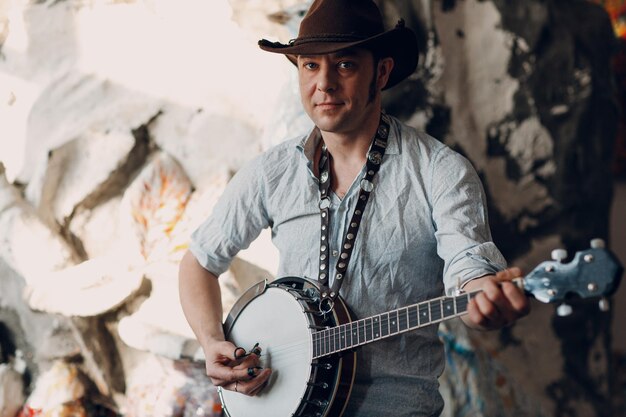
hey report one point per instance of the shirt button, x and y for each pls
(335, 253)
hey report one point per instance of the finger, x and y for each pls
(254, 386)
(250, 387)
(506, 311)
(219, 377)
(475, 316)
(252, 371)
(508, 274)
(517, 299)
(251, 361)
(262, 381)
(239, 353)
(493, 293)
(233, 386)
(259, 388)
(223, 376)
(486, 308)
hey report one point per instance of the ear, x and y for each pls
(385, 65)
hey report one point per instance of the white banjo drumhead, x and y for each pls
(276, 321)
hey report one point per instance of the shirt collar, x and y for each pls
(309, 143)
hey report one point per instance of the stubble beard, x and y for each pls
(371, 97)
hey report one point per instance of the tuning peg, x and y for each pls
(559, 255)
(597, 243)
(603, 304)
(564, 310)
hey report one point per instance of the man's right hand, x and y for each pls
(233, 373)
(201, 300)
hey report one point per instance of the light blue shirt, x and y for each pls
(424, 230)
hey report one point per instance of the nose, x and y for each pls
(326, 81)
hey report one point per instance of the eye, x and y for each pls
(346, 65)
(309, 65)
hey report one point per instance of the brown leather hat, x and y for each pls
(332, 25)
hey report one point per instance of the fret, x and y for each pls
(393, 322)
(402, 319)
(435, 310)
(355, 333)
(424, 314)
(384, 324)
(337, 339)
(362, 335)
(326, 341)
(376, 327)
(315, 340)
(413, 316)
(461, 303)
(349, 341)
(331, 340)
(448, 307)
(320, 343)
(342, 333)
(368, 330)
(320, 350)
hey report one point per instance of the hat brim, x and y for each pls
(398, 43)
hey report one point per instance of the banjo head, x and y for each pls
(277, 322)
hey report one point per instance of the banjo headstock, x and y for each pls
(594, 272)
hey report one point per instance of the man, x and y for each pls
(425, 218)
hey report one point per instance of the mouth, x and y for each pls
(328, 105)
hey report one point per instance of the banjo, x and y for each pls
(312, 353)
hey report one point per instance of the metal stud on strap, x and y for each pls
(367, 185)
(375, 157)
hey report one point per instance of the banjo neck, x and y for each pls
(401, 320)
(594, 272)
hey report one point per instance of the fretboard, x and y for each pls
(401, 320)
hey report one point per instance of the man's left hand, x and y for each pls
(500, 302)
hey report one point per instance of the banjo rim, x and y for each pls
(342, 382)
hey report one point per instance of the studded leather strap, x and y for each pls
(372, 165)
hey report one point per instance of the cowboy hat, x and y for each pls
(332, 25)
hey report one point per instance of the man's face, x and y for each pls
(341, 90)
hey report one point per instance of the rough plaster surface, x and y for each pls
(529, 110)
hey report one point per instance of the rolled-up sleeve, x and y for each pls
(461, 223)
(237, 219)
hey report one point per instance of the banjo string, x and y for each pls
(300, 345)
